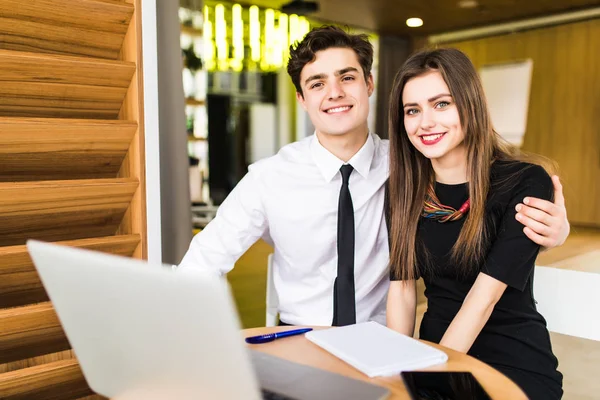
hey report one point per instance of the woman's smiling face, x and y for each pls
(431, 118)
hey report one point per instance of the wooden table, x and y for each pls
(301, 350)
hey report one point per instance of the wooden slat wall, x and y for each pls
(564, 109)
(71, 167)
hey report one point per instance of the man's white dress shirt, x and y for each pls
(291, 200)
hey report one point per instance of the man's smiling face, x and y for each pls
(335, 93)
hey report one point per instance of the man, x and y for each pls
(320, 201)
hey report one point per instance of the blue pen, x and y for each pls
(272, 336)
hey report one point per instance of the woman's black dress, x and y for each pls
(515, 339)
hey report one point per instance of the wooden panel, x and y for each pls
(62, 210)
(30, 331)
(44, 149)
(32, 67)
(19, 281)
(564, 105)
(134, 220)
(65, 27)
(33, 99)
(54, 381)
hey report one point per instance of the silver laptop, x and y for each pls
(143, 331)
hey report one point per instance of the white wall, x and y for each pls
(150, 71)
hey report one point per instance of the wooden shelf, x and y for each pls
(192, 138)
(19, 281)
(22, 67)
(42, 85)
(30, 331)
(191, 30)
(59, 380)
(65, 26)
(63, 210)
(49, 149)
(194, 102)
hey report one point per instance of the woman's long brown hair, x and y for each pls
(411, 172)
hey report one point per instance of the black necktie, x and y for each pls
(344, 305)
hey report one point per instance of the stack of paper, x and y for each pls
(376, 350)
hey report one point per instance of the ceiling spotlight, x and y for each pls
(467, 4)
(414, 22)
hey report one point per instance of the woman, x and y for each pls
(453, 189)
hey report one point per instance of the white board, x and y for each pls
(507, 88)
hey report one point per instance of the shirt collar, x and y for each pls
(329, 165)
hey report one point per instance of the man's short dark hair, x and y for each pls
(323, 38)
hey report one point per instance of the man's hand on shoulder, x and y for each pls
(545, 222)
